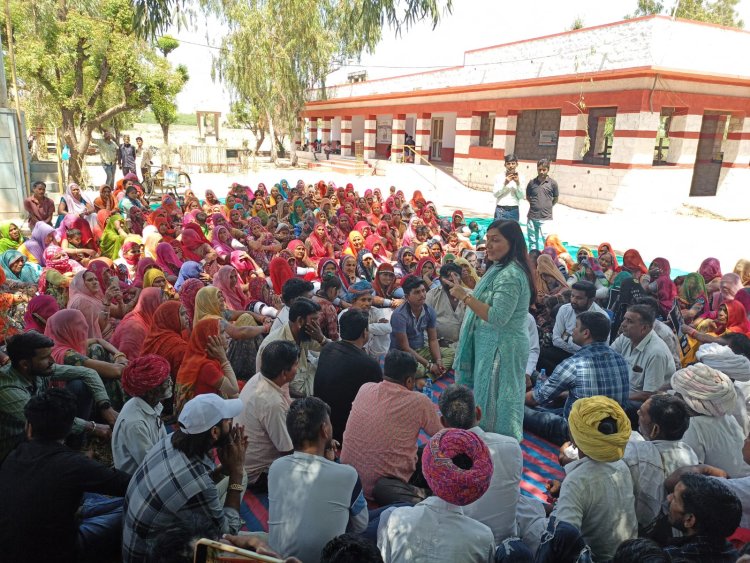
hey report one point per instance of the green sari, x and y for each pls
(7, 243)
(491, 355)
(111, 240)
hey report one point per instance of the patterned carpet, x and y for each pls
(539, 465)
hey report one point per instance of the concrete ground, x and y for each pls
(683, 239)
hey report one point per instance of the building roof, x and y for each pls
(651, 43)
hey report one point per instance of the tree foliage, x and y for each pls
(721, 12)
(84, 61)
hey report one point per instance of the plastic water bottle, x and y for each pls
(427, 389)
(542, 377)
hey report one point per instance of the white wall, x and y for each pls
(629, 44)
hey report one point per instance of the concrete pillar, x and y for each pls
(735, 174)
(635, 137)
(398, 130)
(422, 136)
(314, 131)
(326, 131)
(346, 135)
(371, 132)
(572, 137)
(500, 135)
(684, 132)
(298, 134)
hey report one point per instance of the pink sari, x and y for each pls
(88, 303)
(235, 298)
(67, 328)
(131, 333)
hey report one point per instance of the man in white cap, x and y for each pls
(177, 481)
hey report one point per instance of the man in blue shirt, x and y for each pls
(596, 369)
(410, 322)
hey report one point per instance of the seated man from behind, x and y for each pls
(344, 367)
(707, 513)
(380, 439)
(265, 404)
(312, 499)
(178, 479)
(597, 493)
(497, 507)
(656, 452)
(52, 508)
(458, 468)
(139, 426)
(714, 434)
(595, 369)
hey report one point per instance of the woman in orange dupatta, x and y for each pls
(165, 337)
(731, 319)
(131, 333)
(205, 367)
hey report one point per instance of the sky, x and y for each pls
(472, 24)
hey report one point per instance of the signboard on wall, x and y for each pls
(384, 132)
(548, 138)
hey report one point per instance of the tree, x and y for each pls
(721, 12)
(87, 63)
(163, 95)
(247, 115)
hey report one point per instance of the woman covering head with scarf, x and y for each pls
(366, 265)
(633, 263)
(661, 285)
(130, 255)
(73, 202)
(221, 241)
(168, 261)
(469, 276)
(245, 266)
(210, 201)
(730, 288)
(356, 243)
(41, 237)
(710, 271)
(298, 212)
(280, 272)
(714, 434)
(227, 281)
(387, 291)
(10, 236)
(39, 309)
(693, 297)
(375, 245)
(17, 269)
(165, 336)
(427, 271)
(741, 268)
(113, 236)
(187, 294)
(131, 333)
(195, 246)
(318, 245)
(405, 262)
(73, 347)
(562, 253)
(189, 270)
(105, 200)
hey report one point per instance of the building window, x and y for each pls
(537, 132)
(487, 129)
(601, 135)
(661, 149)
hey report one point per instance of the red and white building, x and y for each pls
(650, 111)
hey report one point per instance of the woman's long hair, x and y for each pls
(518, 253)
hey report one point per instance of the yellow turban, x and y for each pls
(584, 420)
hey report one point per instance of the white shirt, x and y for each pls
(650, 463)
(509, 195)
(565, 322)
(533, 344)
(264, 418)
(380, 333)
(597, 498)
(311, 500)
(434, 531)
(651, 362)
(138, 427)
(718, 441)
(664, 332)
(497, 507)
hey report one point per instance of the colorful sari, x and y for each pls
(165, 337)
(132, 331)
(198, 373)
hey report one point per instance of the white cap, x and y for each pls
(206, 411)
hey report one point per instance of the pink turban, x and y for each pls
(441, 458)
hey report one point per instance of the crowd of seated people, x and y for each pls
(161, 360)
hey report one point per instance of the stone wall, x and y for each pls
(528, 127)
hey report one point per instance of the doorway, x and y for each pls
(436, 139)
(710, 154)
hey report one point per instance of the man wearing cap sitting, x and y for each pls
(178, 480)
(596, 495)
(458, 467)
(139, 426)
